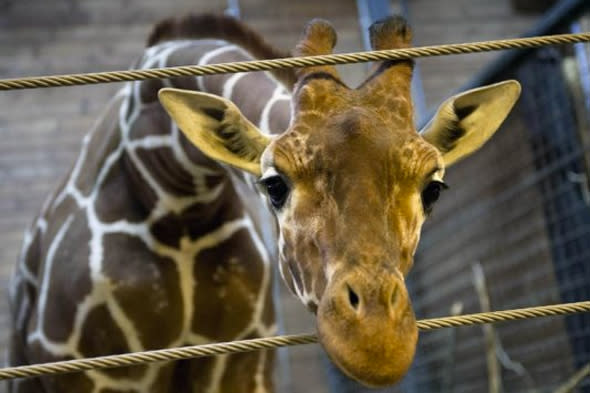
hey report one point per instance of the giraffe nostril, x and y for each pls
(394, 294)
(353, 298)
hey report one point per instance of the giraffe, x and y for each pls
(350, 182)
(164, 231)
(149, 244)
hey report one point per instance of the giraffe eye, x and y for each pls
(431, 193)
(276, 189)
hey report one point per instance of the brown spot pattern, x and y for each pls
(55, 221)
(148, 90)
(78, 382)
(190, 56)
(240, 372)
(192, 375)
(249, 86)
(228, 277)
(197, 220)
(151, 121)
(103, 141)
(117, 199)
(141, 190)
(147, 288)
(31, 256)
(69, 280)
(164, 168)
(102, 336)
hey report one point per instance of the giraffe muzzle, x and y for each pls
(367, 326)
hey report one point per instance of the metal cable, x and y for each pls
(133, 359)
(292, 62)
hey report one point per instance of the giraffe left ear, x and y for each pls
(217, 127)
(466, 121)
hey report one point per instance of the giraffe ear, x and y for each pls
(466, 121)
(217, 127)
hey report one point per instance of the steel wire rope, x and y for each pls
(138, 358)
(291, 62)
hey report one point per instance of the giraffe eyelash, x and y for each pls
(431, 193)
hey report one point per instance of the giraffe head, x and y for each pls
(351, 183)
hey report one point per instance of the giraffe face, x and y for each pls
(351, 183)
(351, 188)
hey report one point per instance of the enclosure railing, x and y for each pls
(291, 62)
(137, 358)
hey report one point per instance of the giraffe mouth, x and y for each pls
(372, 353)
(368, 328)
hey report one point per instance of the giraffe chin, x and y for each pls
(372, 350)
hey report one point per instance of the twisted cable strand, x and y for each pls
(133, 359)
(506, 315)
(291, 62)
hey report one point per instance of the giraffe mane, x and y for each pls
(222, 27)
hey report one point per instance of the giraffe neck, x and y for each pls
(140, 200)
(174, 174)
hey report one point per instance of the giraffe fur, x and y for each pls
(143, 233)
(163, 236)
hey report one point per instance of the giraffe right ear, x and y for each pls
(466, 121)
(217, 127)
